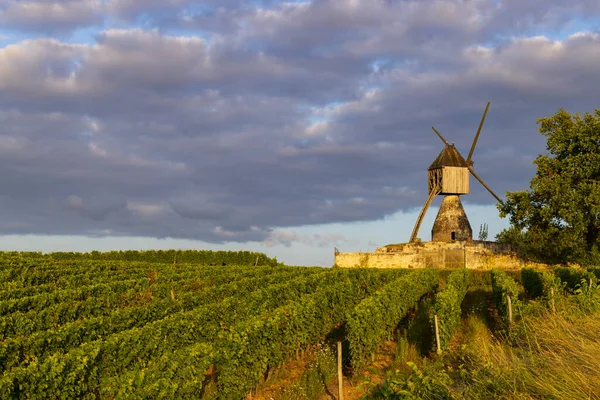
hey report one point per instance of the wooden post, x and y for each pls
(510, 319)
(552, 300)
(437, 334)
(256, 263)
(172, 295)
(339, 354)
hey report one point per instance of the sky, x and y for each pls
(284, 127)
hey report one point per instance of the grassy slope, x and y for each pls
(554, 356)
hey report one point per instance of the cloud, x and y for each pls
(273, 117)
(287, 238)
(50, 17)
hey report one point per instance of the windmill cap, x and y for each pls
(449, 157)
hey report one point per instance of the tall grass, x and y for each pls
(547, 355)
(555, 357)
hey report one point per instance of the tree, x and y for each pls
(558, 219)
(483, 232)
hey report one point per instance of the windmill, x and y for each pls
(448, 175)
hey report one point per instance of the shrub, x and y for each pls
(572, 276)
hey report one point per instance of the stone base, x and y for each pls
(469, 254)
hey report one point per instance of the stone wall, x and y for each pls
(474, 255)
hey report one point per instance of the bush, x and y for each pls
(537, 282)
(572, 277)
(595, 271)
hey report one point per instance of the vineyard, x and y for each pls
(176, 325)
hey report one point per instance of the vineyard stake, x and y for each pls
(339, 354)
(172, 295)
(437, 334)
(256, 260)
(510, 319)
(552, 300)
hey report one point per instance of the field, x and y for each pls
(192, 324)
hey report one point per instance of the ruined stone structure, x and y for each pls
(458, 254)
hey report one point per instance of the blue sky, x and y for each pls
(283, 127)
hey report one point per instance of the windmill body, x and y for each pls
(449, 172)
(449, 175)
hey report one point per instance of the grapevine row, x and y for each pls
(206, 257)
(371, 320)
(82, 369)
(14, 351)
(244, 351)
(130, 294)
(447, 305)
(502, 287)
(46, 299)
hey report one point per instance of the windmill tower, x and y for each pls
(448, 175)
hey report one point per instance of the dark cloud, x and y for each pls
(227, 122)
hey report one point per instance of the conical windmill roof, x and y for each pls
(449, 157)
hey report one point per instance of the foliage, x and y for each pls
(206, 257)
(483, 232)
(429, 383)
(248, 349)
(539, 283)
(313, 382)
(447, 305)
(587, 296)
(572, 277)
(175, 375)
(595, 271)
(20, 350)
(552, 224)
(553, 356)
(372, 319)
(503, 286)
(111, 348)
(543, 285)
(101, 328)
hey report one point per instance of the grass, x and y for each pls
(545, 356)
(553, 357)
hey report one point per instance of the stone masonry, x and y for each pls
(469, 254)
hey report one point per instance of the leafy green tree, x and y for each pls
(558, 218)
